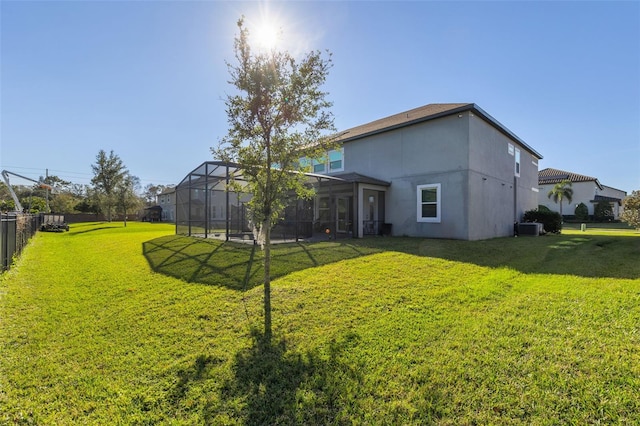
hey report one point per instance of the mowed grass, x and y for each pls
(114, 325)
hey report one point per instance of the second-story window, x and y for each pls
(332, 162)
(336, 159)
(319, 166)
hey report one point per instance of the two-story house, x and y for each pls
(167, 200)
(438, 171)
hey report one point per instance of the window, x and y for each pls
(517, 169)
(318, 166)
(332, 162)
(335, 160)
(429, 204)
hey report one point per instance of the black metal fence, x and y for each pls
(15, 231)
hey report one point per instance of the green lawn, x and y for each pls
(113, 325)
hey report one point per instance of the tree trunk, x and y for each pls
(267, 279)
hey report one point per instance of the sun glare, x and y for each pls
(267, 35)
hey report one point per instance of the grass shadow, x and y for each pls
(99, 228)
(270, 384)
(208, 262)
(239, 267)
(585, 255)
(235, 265)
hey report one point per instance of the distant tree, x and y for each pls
(64, 202)
(561, 191)
(151, 193)
(582, 212)
(58, 183)
(79, 190)
(631, 213)
(278, 116)
(6, 201)
(87, 205)
(7, 205)
(128, 200)
(108, 173)
(35, 204)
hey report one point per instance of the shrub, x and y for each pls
(631, 213)
(552, 221)
(543, 208)
(582, 212)
(602, 212)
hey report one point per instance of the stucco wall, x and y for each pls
(468, 157)
(583, 192)
(426, 153)
(497, 197)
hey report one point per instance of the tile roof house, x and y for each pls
(586, 189)
(437, 171)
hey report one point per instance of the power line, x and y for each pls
(78, 177)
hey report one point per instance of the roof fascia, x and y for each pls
(409, 123)
(468, 107)
(504, 130)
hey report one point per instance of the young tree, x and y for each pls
(108, 173)
(561, 191)
(128, 200)
(631, 213)
(279, 116)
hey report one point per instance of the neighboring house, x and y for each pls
(438, 171)
(167, 200)
(586, 189)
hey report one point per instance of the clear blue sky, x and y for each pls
(147, 79)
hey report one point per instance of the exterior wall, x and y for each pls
(167, 200)
(426, 153)
(607, 191)
(583, 192)
(497, 197)
(480, 195)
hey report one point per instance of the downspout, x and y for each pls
(515, 199)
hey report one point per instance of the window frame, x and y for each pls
(324, 164)
(420, 203)
(330, 169)
(517, 167)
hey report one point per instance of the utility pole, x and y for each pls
(46, 179)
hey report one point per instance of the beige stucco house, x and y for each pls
(586, 189)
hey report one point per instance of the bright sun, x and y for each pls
(267, 36)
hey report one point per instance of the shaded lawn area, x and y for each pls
(375, 331)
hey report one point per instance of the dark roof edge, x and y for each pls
(504, 130)
(405, 123)
(467, 107)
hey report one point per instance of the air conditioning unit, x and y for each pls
(530, 228)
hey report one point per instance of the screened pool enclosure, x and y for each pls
(207, 206)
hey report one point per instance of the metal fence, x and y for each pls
(15, 231)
